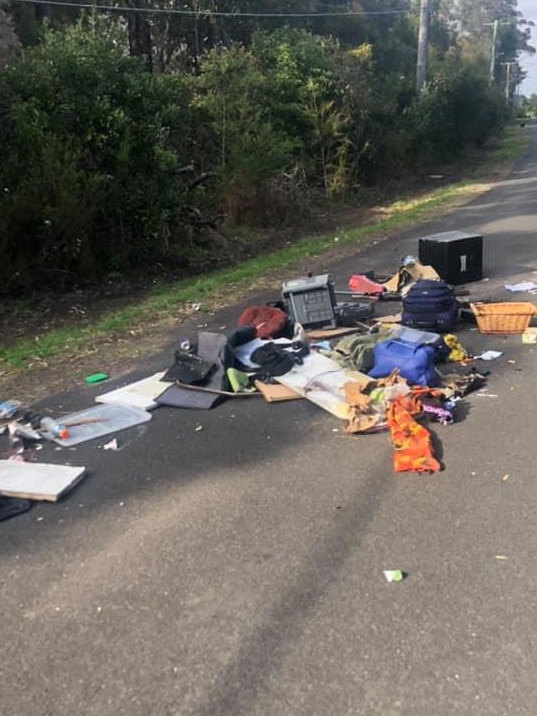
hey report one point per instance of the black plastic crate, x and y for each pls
(456, 256)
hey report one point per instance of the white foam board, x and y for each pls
(37, 481)
(141, 394)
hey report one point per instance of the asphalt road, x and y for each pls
(238, 570)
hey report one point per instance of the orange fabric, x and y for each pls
(411, 441)
(268, 321)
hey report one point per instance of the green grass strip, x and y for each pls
(165, 300)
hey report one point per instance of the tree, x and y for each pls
(473, 25)
(9, 42)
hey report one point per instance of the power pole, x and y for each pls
(495, 25)
(423, 46)
(508, 66)
(493, 52)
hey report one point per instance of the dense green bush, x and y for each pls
(456, 110)
(90, 149)
(103, 165)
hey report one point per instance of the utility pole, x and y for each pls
(493, 52)
(494, 26)
(508, 80)
(423, 46)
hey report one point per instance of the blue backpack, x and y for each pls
(431, 306)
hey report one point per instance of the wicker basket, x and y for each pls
(503, 317)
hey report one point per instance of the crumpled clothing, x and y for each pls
(413, 450)
(456, 350)
(356, 351)
(458, 384)
(441, 415)
(366, 412)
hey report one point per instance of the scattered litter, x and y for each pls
(501, 557)
(101, 420)
(52, 429)
(529, 335)
(522, 286)
(326, 375)
(394, 575)
(8, 408)
(16, 443)
(96, 378)
(489, 355)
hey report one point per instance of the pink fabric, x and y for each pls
(362, 284)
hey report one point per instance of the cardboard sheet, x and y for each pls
(276, 393)
(37, 481)
(141, 394)
(322, 381)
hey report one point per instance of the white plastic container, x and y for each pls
(414, 335)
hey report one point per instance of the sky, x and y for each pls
(528, 8)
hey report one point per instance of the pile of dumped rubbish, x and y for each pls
(372, 369)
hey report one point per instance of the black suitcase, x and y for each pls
(430, 306)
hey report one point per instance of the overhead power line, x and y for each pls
(215, 13)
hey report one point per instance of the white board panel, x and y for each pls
(37, 481)
(141, 394)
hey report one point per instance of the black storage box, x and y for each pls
(456, 256)
(311, 301)
(348, 314)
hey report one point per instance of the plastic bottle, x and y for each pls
(54, 428)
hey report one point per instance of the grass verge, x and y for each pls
(161, 307)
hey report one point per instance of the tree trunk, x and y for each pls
(140, 43)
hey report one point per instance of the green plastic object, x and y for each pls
(96, 377)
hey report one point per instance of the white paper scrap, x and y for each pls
(489, 355)
(522, 286)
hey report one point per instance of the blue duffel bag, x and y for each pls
(414, 362)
